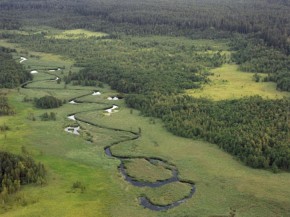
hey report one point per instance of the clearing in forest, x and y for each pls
(78, 33)
(227, 82)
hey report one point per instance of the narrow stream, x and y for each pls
(144, 201)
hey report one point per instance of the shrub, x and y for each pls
(48, 117)
(48, 102)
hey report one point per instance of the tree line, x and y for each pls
(253, 55)
(12, 73)
(255, 130)
(270, 20)
(16, 170)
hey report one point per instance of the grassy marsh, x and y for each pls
(227, 82)
(222, 182)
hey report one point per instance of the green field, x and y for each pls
(76, 34)
(151, 173)
(227, 82)
(223, 184)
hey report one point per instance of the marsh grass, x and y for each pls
(76, 34)
(227, 82)
(223, 184)
(143, 170)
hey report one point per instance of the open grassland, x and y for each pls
(76, 34)
(168, 193)
(220, 45)
(227, 82)
(68, 158)
(37, 59)
(56, 33)
(222, 183)
(150, 172)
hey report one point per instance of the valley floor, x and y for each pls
(224, 186)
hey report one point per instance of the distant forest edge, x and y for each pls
(157, 17)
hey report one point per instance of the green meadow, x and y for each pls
(223, 184)
(150, 173)
(227, 82)
(76, 34)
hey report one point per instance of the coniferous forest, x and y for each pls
(158, 17)
(16, 171)
(12, 73)
(253, 129)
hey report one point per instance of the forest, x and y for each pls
(254, 130)
(158, 17)
(18, 170)
(12, 74)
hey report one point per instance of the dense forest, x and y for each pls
(253, 129)
(157, 17)
(12, 74)
(18, 170)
